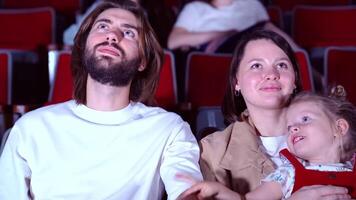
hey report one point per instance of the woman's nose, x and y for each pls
(272, 74)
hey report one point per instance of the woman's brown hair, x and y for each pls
(143, 85)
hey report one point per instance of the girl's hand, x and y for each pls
(206, 190)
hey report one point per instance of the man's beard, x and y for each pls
(106, 72)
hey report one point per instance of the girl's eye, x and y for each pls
(129, 33)
(256, 66)
(305, 119)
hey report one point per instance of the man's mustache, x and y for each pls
(116, 46)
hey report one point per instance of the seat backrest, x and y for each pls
(206, 78)
(63, 6)
(340, 67)
(27, 29)
(5, 77)
(62, 87)
(166, 93)
(305, 70)
(317, 26)
(288, 5)
(275, 15)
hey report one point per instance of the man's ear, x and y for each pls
(342, 126)
(141, 67)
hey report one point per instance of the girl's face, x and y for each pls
(312, 134)
(265, 76)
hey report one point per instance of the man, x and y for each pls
(105, 144)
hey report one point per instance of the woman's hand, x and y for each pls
(322, 192)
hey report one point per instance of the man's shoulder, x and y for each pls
(148, 111)
(54, 110)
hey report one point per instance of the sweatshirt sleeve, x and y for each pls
(181, 156)
(15, 173)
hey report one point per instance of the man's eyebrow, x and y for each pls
(103, 20)
(130, 26)
(123, 25)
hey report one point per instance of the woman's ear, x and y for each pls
(237, 88)
(342, 126)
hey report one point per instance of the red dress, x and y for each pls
(307, 177)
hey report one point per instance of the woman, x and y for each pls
(263, 77)
(207, 24)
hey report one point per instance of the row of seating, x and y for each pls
(206, 78)
(312, 26)
(205, 82)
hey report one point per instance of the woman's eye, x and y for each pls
(256, 66)
(282, 65)
(129, 33)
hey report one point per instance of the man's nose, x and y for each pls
(114, 36)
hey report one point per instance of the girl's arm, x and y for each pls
(266, 191)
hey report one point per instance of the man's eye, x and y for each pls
(102, 26)
(129, 33)
(305, 119)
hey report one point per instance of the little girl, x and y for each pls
(322, 143)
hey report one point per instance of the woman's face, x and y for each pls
(265, 77)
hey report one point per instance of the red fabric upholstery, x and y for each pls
(63, 83)
(166, 94)
(324, 26)
(288, 5)
(275, 15)
(4, 67)
(340, 69)
(206, 78)
(63, 6)
(305, 70)
(27, 29)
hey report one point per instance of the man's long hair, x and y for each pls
(143, 85)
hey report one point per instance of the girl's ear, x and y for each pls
(342, 126)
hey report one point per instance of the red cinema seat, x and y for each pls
(166, 93)
(340, 67)
(317, 26)
(206, 78)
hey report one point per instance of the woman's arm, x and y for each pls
(180, 37)
(320, 192)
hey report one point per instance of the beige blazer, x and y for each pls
(234, 158)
